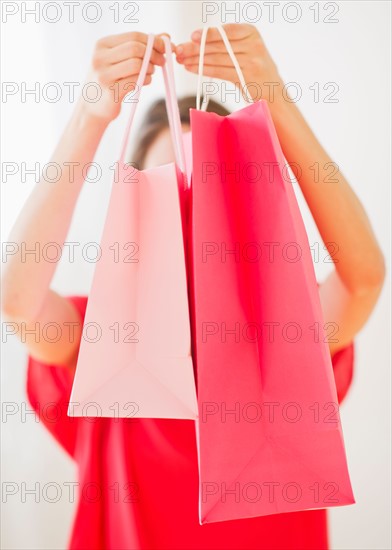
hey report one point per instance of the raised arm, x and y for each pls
(350, 292)
(27, 298)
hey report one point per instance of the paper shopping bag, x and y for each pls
(135, 356)
(269, 434)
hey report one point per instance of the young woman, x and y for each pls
(138, 479)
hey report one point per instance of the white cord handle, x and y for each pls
(232, 57)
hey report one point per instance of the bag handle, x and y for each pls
(171, 102)
(232, 57)
(173, 112)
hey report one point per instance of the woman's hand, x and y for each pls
(253, 57)
(27, 299)
(115, 67)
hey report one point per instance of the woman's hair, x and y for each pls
(155, 120)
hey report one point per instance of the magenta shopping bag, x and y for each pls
(269, 434)
(135, 354)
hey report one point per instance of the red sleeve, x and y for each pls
(48, 391)
(343, 369)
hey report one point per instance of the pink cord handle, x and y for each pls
(135, 99)
(170, 97)
(172, 106)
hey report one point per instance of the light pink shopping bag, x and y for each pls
(135, 356)
(269, 434)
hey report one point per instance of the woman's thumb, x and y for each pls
(173, 46)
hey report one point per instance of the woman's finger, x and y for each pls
(221, 59)
(159, 44)
(173, 46)
(116, 39)
(234, 31)
(128, 68)
(223, 73)
(129, 50)
(128, 85)
(190, 49)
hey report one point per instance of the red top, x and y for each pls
(138, 478)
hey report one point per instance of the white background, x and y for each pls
(353, 52)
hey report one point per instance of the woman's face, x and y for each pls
(161, 150)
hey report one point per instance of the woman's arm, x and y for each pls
(27, 299)
(350, 292)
